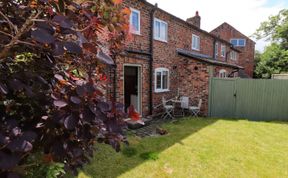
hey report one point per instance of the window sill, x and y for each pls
(195, 49)
(135, 33)
(163, 41)
(161, 91)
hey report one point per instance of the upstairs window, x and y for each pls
(223, 73)
(216, 49)
(135, 21)
(196, 42)
(161, 79)
(238, 42)
(160, 30)
(233, 55)
(223, 51)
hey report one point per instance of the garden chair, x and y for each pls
(195, 109)
(168, 109)
(184, 104)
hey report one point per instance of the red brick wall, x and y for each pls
(140, 42)
(135, 60)
(246, 57)
(190, 77)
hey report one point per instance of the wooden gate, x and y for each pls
(248, 98)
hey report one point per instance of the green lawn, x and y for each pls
(199, 148)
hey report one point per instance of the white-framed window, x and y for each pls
(233, 55)
(223, 50)
(216, 49)
(195, 42)
(222, 73)
(161, 80)
(160, 30)
(238, 42)
(135, 21)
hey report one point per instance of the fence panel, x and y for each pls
(251, 99)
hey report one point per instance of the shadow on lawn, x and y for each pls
(108, 163)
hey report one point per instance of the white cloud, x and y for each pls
(244, 15)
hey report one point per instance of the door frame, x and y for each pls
(139, 67)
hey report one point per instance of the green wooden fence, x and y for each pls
(253, 99)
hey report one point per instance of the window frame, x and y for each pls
(137, 32)
(221, 72)
(216, 49)
(223, 47)
(233, 57)
(237, 42)
(162, 70)
(197, 37)
(154, 30)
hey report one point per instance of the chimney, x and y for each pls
(196, 20)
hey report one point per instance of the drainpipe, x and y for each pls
(151, 59)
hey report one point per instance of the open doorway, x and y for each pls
(132, 86)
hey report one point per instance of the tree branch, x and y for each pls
(25, 27)
(9, 22)
(24, 42)
(7, 34)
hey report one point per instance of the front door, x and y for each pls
(132, 87)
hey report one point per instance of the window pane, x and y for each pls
(165, 80)
(241, 42)
(135, 21)
(158, 80)
(223, 51)
(234, 42)
(163, 31)
(157, 29)
(195, 42)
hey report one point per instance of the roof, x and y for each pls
(192, 26)
(206, 59)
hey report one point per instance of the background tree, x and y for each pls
(275, 57)
(53, 56)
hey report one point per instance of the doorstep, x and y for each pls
(136, 125)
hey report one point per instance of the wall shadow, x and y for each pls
(108, 163)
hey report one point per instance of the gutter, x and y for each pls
(151, 58)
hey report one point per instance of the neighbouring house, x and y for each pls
(240, 42)
(167, 56)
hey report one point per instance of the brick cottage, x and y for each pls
(168, 56)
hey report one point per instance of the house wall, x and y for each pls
(246, 57)
(187, 76)
(139, 61)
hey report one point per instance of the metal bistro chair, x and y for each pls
(169, 109)
(184, 104)
(195, 109)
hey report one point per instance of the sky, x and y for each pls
(244, 15)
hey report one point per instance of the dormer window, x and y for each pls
(135, 21)
(238, 42)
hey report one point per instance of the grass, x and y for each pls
(199, 148)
